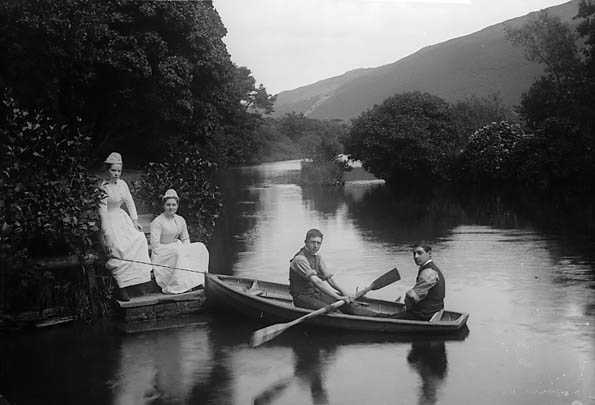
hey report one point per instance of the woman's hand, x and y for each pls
(137, 225)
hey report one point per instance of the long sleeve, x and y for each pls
(184, 237)
(155, 233)
(103, 211)
(129, 202)
(105, 238)
(427, 279)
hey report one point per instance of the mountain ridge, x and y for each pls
(481, 64)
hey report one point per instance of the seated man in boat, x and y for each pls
(310, 284)
(426, 298)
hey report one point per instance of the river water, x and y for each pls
(522, 266)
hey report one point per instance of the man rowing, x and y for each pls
(312, 286)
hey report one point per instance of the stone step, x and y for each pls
(155, 306)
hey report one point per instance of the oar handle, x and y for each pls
(329, 307)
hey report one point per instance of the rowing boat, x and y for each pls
(270, 302)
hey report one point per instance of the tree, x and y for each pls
(138, 74)
(546, 39)
(295, 125)
(409, 135)
(559, 107)
(491, 153)
(549, 41)
(473, 113)
(235, 140)
(586, 31)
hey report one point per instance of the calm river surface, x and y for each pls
(522, 267)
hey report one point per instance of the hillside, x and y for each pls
(481, 63)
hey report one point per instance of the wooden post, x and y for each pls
(89, 269)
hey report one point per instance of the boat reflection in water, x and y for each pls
(315, 354)
(310, 363)
(429, 360)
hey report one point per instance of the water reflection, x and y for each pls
(530, 256)
(522, 264)
(430, 362)
(316, 354)
(325, 200)
(163, 367)
(310, 364)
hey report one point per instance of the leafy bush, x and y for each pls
(48, 200)
(408, 135)
(490, 153)
(473, 113)
(326, 166)
(560, 155)
(185, 170)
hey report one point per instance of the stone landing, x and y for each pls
(155, 306)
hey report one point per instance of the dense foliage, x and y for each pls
(48, 200)
(186, 171)
(417, 135)
(295, 136)
(136, 73)
(407, 135)
(318, 142)
(151, 80)
(559, 108)
(472, 113)
(325, 165)
(491, 153)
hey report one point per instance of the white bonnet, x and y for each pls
(171, 193)
(114, 158)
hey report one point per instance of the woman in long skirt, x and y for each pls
(178, 264)
(123, 236)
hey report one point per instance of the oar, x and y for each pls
(270, 332)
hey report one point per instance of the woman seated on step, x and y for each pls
(125, 243)
(178, 265)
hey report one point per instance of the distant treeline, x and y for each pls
(550, 142)
(295, 136)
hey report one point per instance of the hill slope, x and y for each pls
(481, 63)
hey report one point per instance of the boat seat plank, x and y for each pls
(437, 317)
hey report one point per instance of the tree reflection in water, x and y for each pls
(173, 366)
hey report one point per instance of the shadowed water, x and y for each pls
(522, 265)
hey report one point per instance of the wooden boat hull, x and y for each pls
(270, 302)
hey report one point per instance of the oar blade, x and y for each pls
(387, 278)
(263, 335)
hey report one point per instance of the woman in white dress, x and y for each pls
(123, 236)
(172, 250)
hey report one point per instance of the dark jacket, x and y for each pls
(434, 301)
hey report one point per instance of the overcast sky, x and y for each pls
(291, 43)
